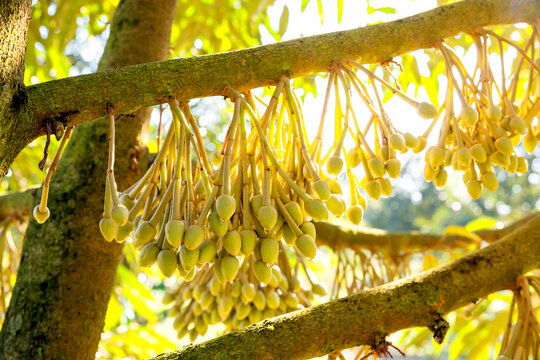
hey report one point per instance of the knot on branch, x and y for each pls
(439, 327)
(20, 98)
(58, 129)
(379, 345)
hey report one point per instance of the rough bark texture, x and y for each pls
(67, 271)
(15, 129)
(367, 317)
(84, 98)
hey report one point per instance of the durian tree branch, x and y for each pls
(367, 317)
(343, 236)
(18, 205)
(84, 98)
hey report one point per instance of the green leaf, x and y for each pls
(163, 341)
(482, 223)
(339, 10)
(307, 84)
(276, 35)
(387, 94)
(384, 9)
(432, 88)
(319, 6)
(127, 277)
(410, 74)
(461, 231)
(284, 20)
(139, 305)
(114, 314)
(430, 261)
(304, 4)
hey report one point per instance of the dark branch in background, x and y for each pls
(18, 204)
(84, 98)
(368, 317)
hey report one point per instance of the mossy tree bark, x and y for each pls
(66, 273)
(84, 98)
(14, 134)
(340, 236)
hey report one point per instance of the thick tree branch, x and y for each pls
(18, 204)
(367, 317)
(84, 98)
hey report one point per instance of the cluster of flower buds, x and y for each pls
(207, 301)
(185, 212)
(490, 124)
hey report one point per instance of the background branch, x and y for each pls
(367, 317)
(18, 204)
(343, 236)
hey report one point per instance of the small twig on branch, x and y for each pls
(48, 128)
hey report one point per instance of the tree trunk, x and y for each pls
(67, 271)
(14, 18)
